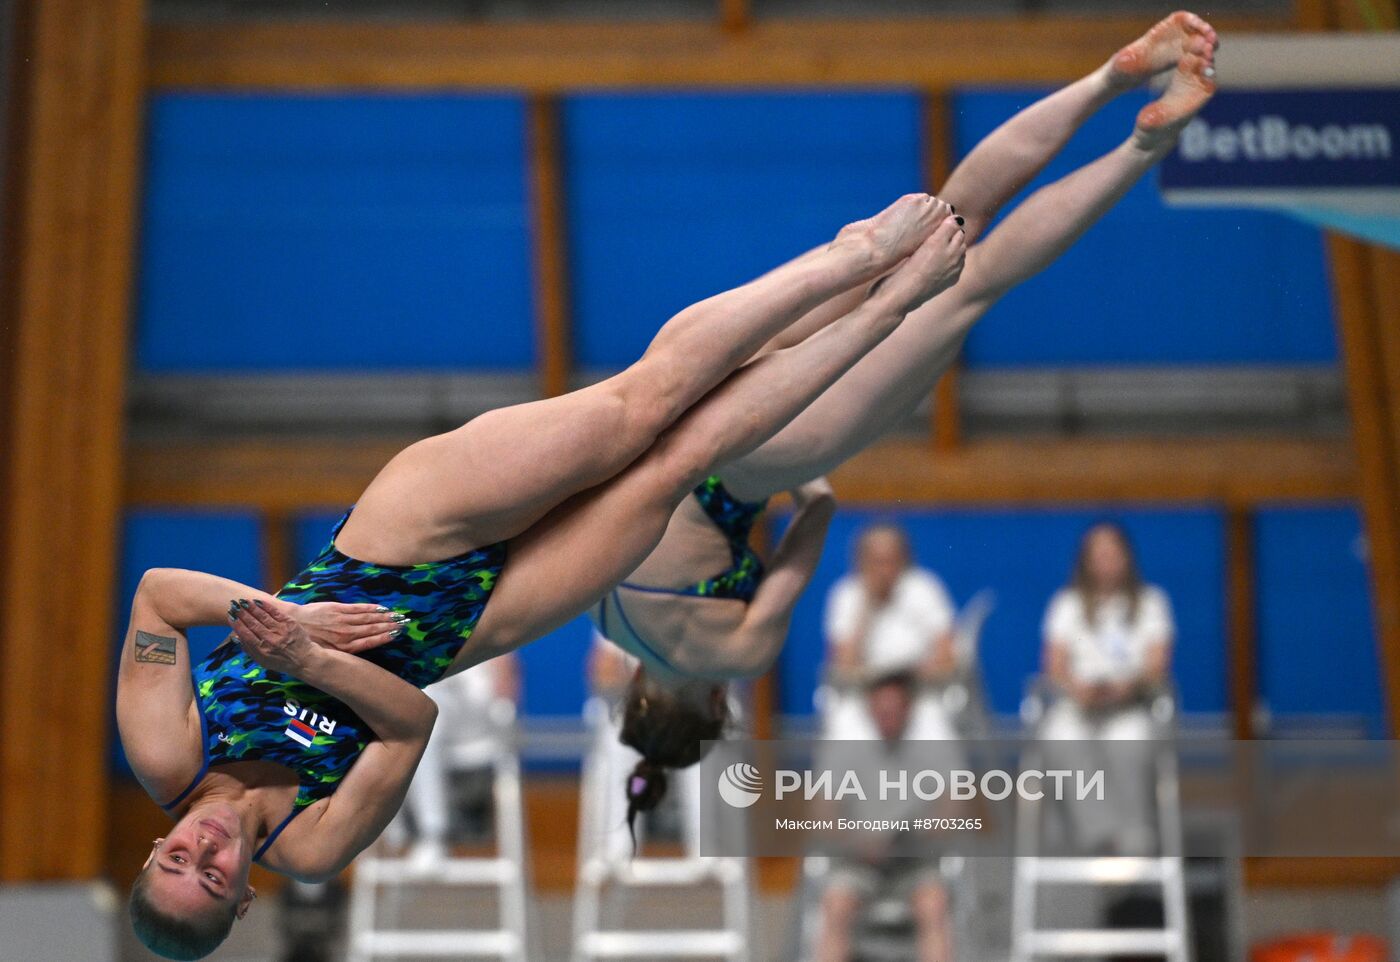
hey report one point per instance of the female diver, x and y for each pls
(288, 746)
(691, 629)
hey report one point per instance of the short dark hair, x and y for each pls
(667, 731)
(171, 936)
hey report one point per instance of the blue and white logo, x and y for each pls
(1292, 140)
(740, 785)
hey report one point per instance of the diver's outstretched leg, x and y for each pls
(496, 475)
(889, 382)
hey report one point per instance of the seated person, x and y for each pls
(881, 871)
(888, 616)
(1108, 639)
(464, 705)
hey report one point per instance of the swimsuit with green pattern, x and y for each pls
(250, 713)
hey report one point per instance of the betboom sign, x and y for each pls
(1290, 140)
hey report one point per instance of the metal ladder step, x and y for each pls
(664, 872)
(1064, 943)
(444, 944)
(661, 944)
(450, 871)
(1100, 871)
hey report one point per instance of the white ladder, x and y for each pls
(372, 937)
(601, 866)
(1167, 872)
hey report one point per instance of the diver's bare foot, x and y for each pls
(929, 271)
(1191, 87)
(1160, 48)
(895, 232)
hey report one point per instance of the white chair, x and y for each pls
(381, 879)
(886, 926)
(605, 862)
(1034, 872)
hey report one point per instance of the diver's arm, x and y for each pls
(187, 599)
(766, 621)
(393, 709)
(315, 848)
(156, 712)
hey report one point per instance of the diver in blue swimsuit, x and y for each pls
(294, 742)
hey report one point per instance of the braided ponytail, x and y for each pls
(666, 726)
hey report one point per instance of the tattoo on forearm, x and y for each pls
(157, 649)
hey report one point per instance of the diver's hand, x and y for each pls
(351, 628)
(271, 638)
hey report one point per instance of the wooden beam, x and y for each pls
(927, 53)
(946, 417)
(1231, 471)
(81, 88)
(279, 559)
(947, 411)
(1362, 321)
(305, 474)
(1243, 633)
(554, 343)
(735, 15)
(1385, 293)
(1314, 14)
(1375, 872)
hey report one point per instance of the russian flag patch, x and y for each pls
(300, 732)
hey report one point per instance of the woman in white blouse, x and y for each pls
(1108, 641)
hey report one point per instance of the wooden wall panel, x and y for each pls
(298, 475)
(925, 53)
(80, 91)
(551, 260)
(1368, 350)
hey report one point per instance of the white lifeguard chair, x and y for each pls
(606, 863)
(381, 880)
(887, 923)
(1164, 872)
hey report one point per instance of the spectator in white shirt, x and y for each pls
(1108, 640)
(888, 616)
(883, 870)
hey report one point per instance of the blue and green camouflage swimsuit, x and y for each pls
(735, 520)
(249, 713)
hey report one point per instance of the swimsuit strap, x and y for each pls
(637, 638)
(262, 849)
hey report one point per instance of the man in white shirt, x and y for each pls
(888, 616)
(883, 870)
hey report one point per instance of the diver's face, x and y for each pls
(202, 864)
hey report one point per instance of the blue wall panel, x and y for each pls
(1317, 637)
(1151, 284)
(334, 232)
(222, 543)
(553, 668)
(676, 197)
(1025, 557)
